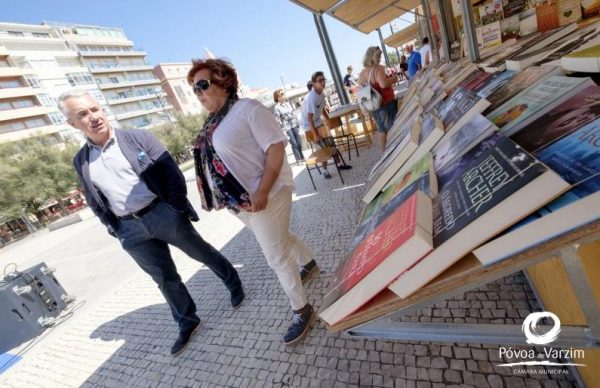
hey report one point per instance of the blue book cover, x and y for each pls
(576, 158)
(494, 83)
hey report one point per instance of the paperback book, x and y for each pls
(491, 189)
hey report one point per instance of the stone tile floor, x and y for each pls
(125, 341)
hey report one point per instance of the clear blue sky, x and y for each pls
(265, 39)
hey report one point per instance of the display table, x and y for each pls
(345, 112)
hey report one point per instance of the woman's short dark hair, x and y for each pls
(222, 73)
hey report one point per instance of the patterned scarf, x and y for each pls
(226, 191)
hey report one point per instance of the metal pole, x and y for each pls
(331, 60)
(445, 41)
(385, 55)
(471, 38)
(430, 31)
(397, 51)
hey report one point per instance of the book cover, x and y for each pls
(474, 81)
(489, 35)
(569, 11)
(516, 85)
(490, 12)
(493, 191)
(422, 167)
(482, 182)
(566, 118)
(515, 113)
(513, 7)
(583, 40)
(458, 108)
(395, 159)
(510, 28)
(576, 157)
(402, 238)
(494, 83)
(547, 17)
(461, 141)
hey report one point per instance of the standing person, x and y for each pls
(414, 62)
(426, 54)
(403, 67)
(313, 112)
(284, 113)
(350, 82)
(239, 165)
(135, 188)
(375, 75)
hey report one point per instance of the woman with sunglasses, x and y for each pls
(239, 159)
(284, 113)
(376, 75)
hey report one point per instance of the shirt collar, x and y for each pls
(111, 140)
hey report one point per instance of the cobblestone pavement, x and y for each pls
(125, 340)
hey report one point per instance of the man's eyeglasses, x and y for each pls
(201, 85)
(321, 80)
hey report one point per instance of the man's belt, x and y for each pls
(142, 211)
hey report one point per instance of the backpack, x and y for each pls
(368, 98)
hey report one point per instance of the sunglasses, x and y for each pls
(201, 85)
(321, 80)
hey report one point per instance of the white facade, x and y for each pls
(121, 73)
(36, 66)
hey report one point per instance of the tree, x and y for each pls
(32, 172)
(179, 136)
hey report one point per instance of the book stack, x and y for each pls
(476, 163)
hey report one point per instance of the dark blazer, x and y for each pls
(151, 162)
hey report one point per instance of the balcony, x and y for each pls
(141, 112)
(113, 53)
(10, 72)
(119, 69)
(17, 92)
(124, 84)
(117, 101)
(13, 114)
(19, 134)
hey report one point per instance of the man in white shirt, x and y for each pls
(313, 111)
(426, 54)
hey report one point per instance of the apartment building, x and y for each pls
(121, 72)
(173, 80)
(36, 66)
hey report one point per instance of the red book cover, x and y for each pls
(397, 228)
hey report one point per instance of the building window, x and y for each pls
(23, 103)
(46, 100)
(56, 117)
(33, 80)
(4, 63)
(79, 78)
(41, 34)
(10, 83)
(15, 33)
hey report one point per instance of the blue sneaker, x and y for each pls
(301, 322)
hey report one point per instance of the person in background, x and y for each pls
(414, 61)
(138, 192)
(403, 67)
(313, 112)
(426, 54)
(284, 113)
(350, 83)
(375, 75)
(238, 156)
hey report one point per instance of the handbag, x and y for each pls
(368, 98)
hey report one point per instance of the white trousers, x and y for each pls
(283, 250)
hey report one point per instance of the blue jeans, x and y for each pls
(295, 143)
(146, 239)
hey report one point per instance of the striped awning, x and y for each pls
(363, 15)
